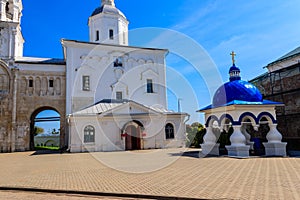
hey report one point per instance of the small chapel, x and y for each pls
(110, 96)
(238, 105)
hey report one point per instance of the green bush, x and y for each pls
(195, 133)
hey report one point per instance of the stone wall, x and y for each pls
(30, 92)
(47, 140)
(284, 86)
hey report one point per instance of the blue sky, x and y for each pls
(48, 126)
(259, 31)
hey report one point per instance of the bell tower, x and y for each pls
(11, 39)
(108, 25)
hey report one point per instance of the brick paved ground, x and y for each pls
(157, 172)
(17, 195)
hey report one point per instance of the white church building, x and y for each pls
(110, 96)
(121, 88)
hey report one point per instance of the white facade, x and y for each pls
(11, 40)
(104, 70)
(108, 25)
(97, 61)
(116, 97)
(111, 128)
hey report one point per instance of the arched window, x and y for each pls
(149, 86)
(89, 134)
(7, 7)
(97, 36)
(118, 62)
(169, 130)
(111, 34)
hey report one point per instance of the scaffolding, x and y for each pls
(283, 86)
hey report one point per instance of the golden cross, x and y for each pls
(233, 55)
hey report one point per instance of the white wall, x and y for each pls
(108, 133)
(96, 61)
(103, 22)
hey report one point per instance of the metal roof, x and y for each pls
(238, 102)
(291, 54)
(34, 60)
(108, 105)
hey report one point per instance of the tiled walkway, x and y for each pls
(155, 172)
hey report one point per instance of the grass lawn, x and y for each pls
(46, 148)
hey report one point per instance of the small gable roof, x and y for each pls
(108, 105)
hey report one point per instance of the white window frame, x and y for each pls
(89, 134)
(119, 93)
(86, 83)
(149, 90)
(169, 134)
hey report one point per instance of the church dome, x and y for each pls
(109, 9)
(234, 69)
(237, 90)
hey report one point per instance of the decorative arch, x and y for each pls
(211, 119)
(141, 61)
(269, 117)
(5, 67)
(134, 123)
(42, 108)
(49, 142)
(227, 116)
(5, 77)
(150, 61)
(250, 115)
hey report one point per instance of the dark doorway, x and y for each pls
(133, 136)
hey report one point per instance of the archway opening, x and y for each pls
(249, 131)
(262, 135)
(225, 133)
(133, 140)
(45, 130)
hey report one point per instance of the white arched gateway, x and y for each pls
(239, 105)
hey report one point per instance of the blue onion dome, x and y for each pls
(237, 90)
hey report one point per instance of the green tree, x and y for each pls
(195, 134)
(54, 132)
(38, 130)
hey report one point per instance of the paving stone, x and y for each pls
(159, 173)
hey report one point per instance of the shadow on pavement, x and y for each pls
(44, 152)
(192, 154)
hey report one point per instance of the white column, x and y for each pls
(248, 137)
(210, 146)
(237, 138)
(274, 146)
(2, 11)
(274, 136)
(209, 137)
(238, 145)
